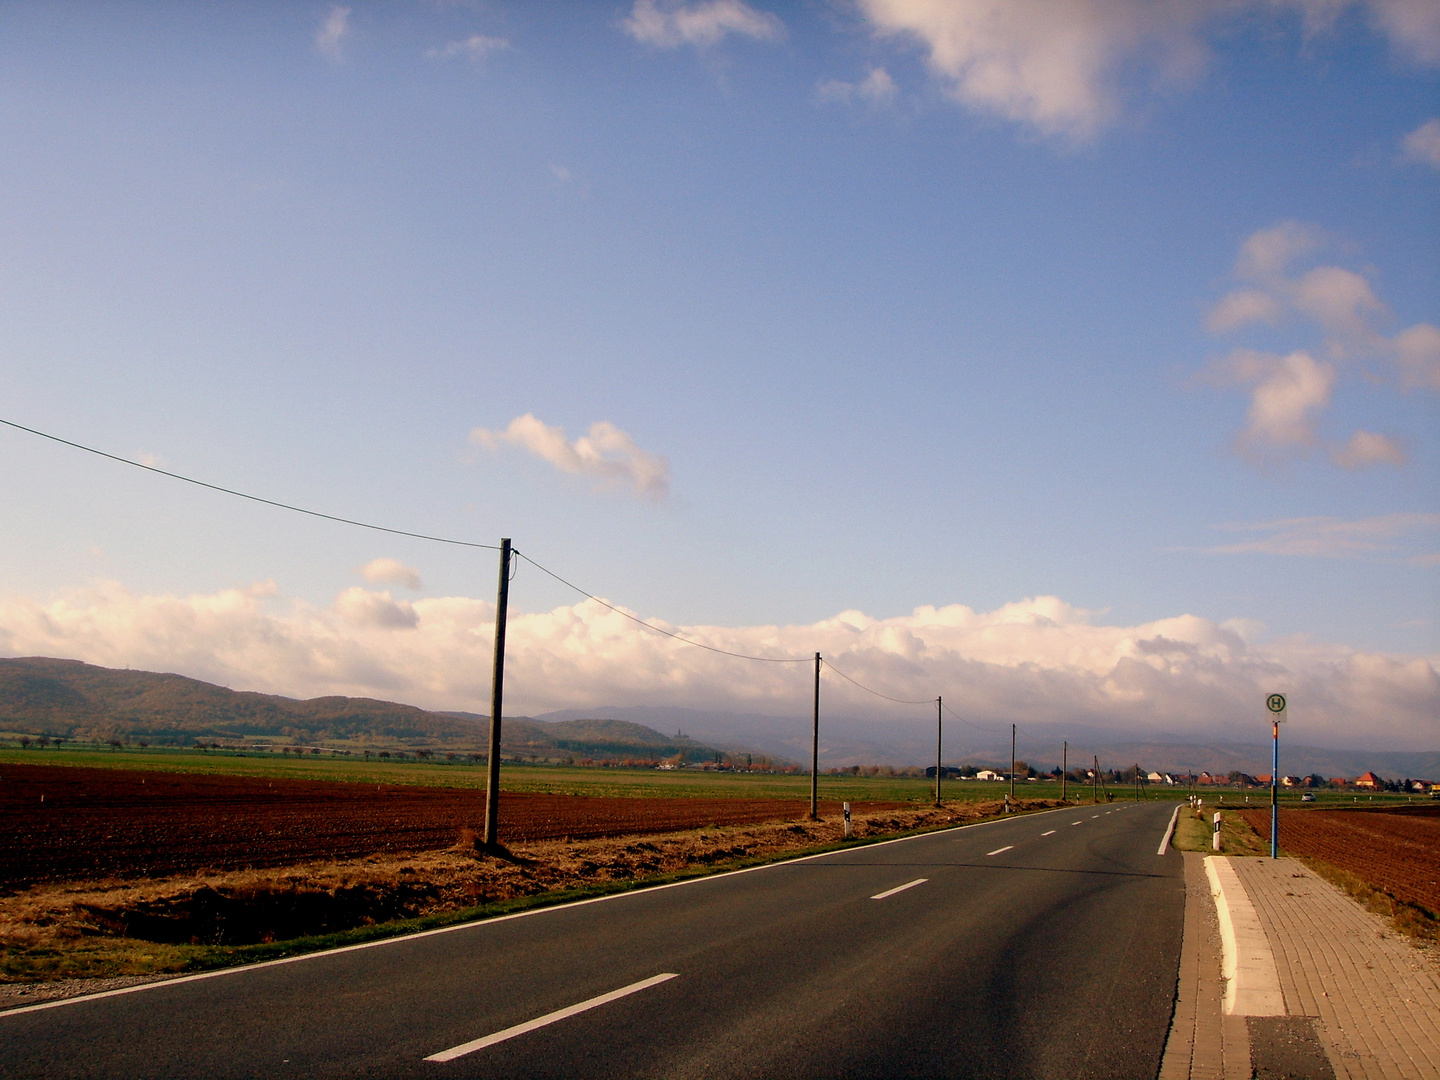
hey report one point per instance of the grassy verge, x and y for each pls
(1195, 832)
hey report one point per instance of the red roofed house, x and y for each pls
(1369, 780)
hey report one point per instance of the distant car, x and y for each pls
(1307, 797)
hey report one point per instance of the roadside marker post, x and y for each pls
(1215, 841)
(847, 820)
(1276, 704)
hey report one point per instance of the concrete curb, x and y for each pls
(1252, 981)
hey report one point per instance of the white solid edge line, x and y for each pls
(900, 888)
(1050, 833)
(481, 923)
(1169, 831)
(998, 850)
(549, 1018)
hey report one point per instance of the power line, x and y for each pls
(252, 498)
(969, 723)
(662, 630)
(877, 693)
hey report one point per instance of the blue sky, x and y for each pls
(880, 305)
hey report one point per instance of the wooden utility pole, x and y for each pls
(1095, 781)
(1012, 768)
(939, 739)
(497, 699)
(815, 749)
(1064, 768)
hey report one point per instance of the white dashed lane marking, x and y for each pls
(998, 850)
(549, 1018)
(1050, 833)
(899, 888)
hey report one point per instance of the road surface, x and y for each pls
(1045, 945)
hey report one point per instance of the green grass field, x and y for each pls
(594, 780)
(553, 779)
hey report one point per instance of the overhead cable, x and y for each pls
(661, 629)
(252, 498)
(877, 693)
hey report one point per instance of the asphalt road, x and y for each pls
(1042, 946)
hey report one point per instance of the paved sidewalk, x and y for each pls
(1378, 1003)
(1348, 981)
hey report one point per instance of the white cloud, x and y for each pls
(1267, 253)
(1423, 144)
(1288, 394)
(705, 23)
(1052, 65)
(366, 608)
(1366, 449)
(391, 571)
(332, 32)
(1057, 65)
(1331, 537)
(1342, 303)
(1413, 27)
(1241, 308)
(1418, 353)
(606, 453)
(475, 47)
(877, 88)
(1038, 660)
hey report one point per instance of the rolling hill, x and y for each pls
(68, 698)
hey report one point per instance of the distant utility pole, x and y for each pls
(497, 699)
(1064, 768)
(815, 749)
(939, 738)
(1012, 766)
(1095, 780)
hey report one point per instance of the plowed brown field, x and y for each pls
(59, 823)
(1395, 850)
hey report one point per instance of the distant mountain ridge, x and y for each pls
(69, 698)
(846, 740)
(42, 695)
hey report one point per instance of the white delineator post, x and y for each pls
(847, 820)
(1215, 841)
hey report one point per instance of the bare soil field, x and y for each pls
(1395, 850)
(61, 823)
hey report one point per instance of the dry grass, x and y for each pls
(77, 930)
(1194, 832)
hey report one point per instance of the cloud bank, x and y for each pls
(1036, 661)
(607, 455)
